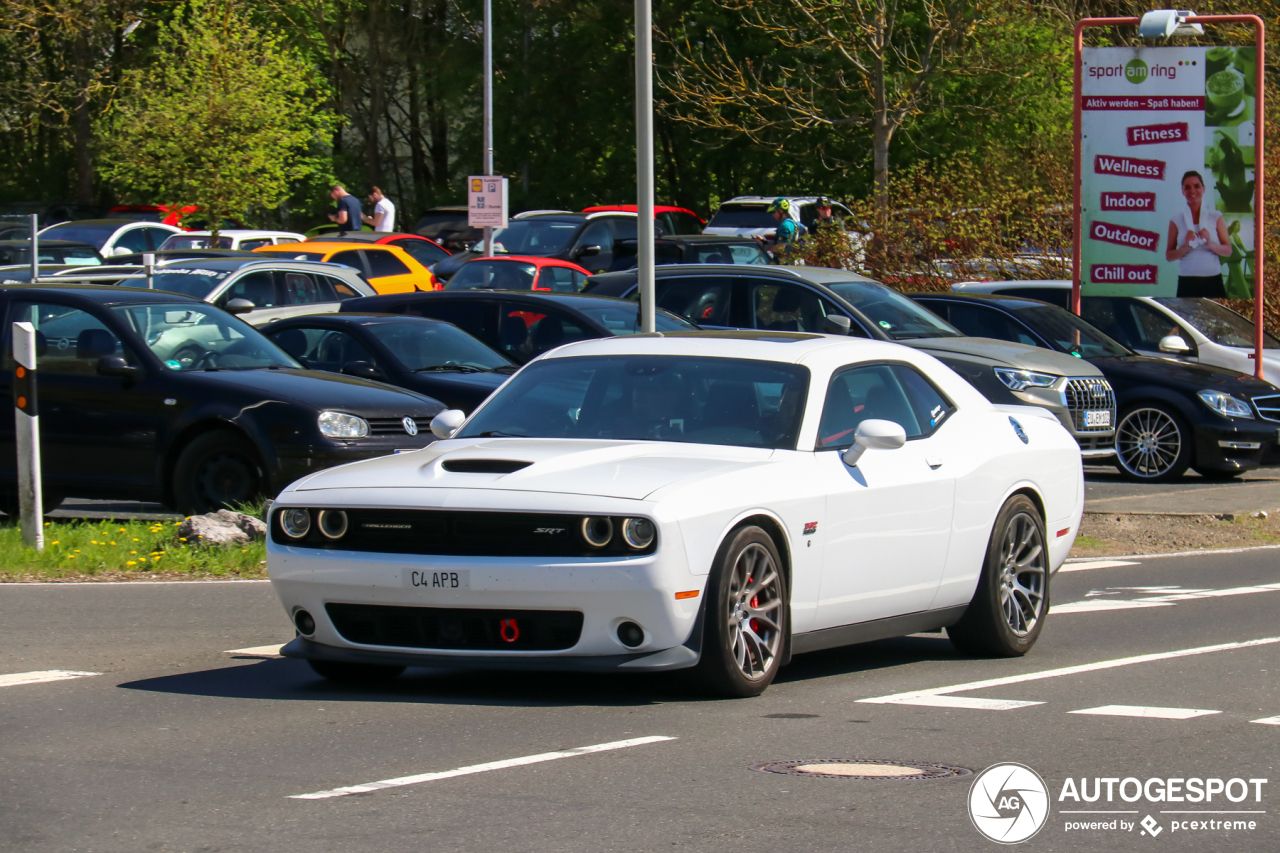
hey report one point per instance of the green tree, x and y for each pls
(225, 116)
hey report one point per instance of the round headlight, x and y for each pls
(638, 532)
(296, 523)
(342, 425)
(332, 523)
(597, 530)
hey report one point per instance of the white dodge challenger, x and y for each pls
(709, 500)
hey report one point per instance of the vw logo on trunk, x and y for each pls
(410, 426)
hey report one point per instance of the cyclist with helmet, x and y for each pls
(784, 239)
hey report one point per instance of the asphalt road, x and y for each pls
(176, 745)
(1107, 491)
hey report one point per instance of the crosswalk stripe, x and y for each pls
(969, 702)
(1150, 712)
(14, 679)
(1095, 564)
(1268, 721)
(257, 651)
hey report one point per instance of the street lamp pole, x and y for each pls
(488, 108)
(644, 161)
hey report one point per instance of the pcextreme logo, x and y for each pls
(1009, 803)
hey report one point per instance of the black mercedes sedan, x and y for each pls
(428, 356)
(1172, 415)
(520, 324)
(123, 417)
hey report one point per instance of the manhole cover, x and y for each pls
(861, 768)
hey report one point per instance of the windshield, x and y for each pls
(187, 336)
(493, 275)
(541, 237)
(691, 399)
(896, 315)
(183, 241)
(1217, 322)
(189, 282)
(1069, 334)
(96, 235)
(422, 346)
(622, 317)
(72, 256)
(743, 216)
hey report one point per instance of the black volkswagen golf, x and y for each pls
(122, 417)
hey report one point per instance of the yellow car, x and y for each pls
(388, 269)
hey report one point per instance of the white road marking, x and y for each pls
(1090, 565)
(1103, 604)
(257, 651)
(1198, 553)
(1268, 721)
(908, 697)
(1145, 711)
(16, 678)
(479, 768)
(1171, 595)
(969, 702)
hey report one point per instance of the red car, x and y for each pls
(674, 220)
(168, 215)
(519, 272)
(424, 250)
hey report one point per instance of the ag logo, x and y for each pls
(1008, 803)
(1135, 71)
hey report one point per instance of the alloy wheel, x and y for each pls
(1022, 574)
(1148, 443)
(227, 479)
(754, 611)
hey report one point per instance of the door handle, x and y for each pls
(935, 462)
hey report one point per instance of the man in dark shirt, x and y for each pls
(349, 214)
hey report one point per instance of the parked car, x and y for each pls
(428, 356)
(168, 256)
(112, 236)
(749, 216)
(699, 249)
(124, 417)
(245, 240)
(518, 272)
(422, 249)
(187, 218)
(1172, 415)
(448, 226)
(331, 229)
(262, 290)
(389, 269)
(60, 252)
(18, 213)
(673, 220)
(652, 503)
(816, 299)
(1191, 329)
(522, 325)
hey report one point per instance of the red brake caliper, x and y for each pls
(755, 602)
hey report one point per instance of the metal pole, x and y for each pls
(644, 162)
(488, 108)
(35, 248)
(149, 268)
(27, 424)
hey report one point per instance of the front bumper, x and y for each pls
(1236, 445)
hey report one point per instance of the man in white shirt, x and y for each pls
(384, 212)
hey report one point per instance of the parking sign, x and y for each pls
(487, 201)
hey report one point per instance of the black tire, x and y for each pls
(355, 673)
(215, 471)
(9, 504)
(1005, 617)
(746, 624)
(1219, 475)
(1153, 443)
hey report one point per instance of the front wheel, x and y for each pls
(747, 616)
(1153, 444)
(218, 470)
(1007, 612)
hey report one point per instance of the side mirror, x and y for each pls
(120, 250)
(881, 435)
(585, 251)
(362, 369)
(836, 325)
(239, 306)
(445, 424)
(1174, 345)
(114, 365)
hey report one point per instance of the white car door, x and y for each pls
(888, 520)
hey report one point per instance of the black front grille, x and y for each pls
(394, 426)
(1268, 407)
(1090, 395)
(456, 627)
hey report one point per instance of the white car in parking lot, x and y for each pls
(719, 500)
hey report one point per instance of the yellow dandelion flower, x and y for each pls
(133, 552)
(54, 542)
(122, 530)
(113, 543)
(182, 539)
(131, 563)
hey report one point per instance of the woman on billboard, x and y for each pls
(1198, 242)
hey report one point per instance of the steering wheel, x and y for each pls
(204, 360)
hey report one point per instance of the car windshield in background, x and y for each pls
(190, 337)
(623, 318)
(737, 254)
(189, 282)
(899, 317)
(1069, 333)
(699, 400)
(432, 224)
(95, 235)
(179, 241)
(1217, 322)
(541, 237)
(426, 347)
(71, 256)
(743, 216)
(493, 275)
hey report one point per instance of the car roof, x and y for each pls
(104, 295)
(325, 246)
(367, 237)
(109, 223)
(536, 260)
(633, 208)
(57, 244)
(765, 199)
(241, 232)
(1003, 299)
(352, 318)
(990, 286)
(232, 264)
(817, 275)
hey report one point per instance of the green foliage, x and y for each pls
(225, 116)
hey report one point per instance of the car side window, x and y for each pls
(686, 223)
(597, 233)
(980, 321)
(68, 340)
(700, 300)
(333, 349)
(863, 393)
(250, 245)
(471, 316)
(383, 263)
(1152, 325)
(785, 307)
(421, 251)
(156, 237)
(526, 333)
(926, 401)
(258, 287)
(303, 289)
(135, 240)
(558, 279)
(351, 258)
(341, 290)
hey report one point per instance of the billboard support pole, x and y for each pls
(1259, 211)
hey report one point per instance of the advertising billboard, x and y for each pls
(1167, 171)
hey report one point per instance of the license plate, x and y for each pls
(438, 580)
(1097, 419)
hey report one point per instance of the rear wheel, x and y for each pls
(355, 673)
(1153, 444)
(215, 471)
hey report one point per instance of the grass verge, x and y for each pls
(122, 550)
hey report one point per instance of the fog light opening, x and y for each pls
(332, 523)
(296, 523)
(597, 530)
(630, 634)
(303, 621)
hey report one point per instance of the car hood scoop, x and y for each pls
(620, 469)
